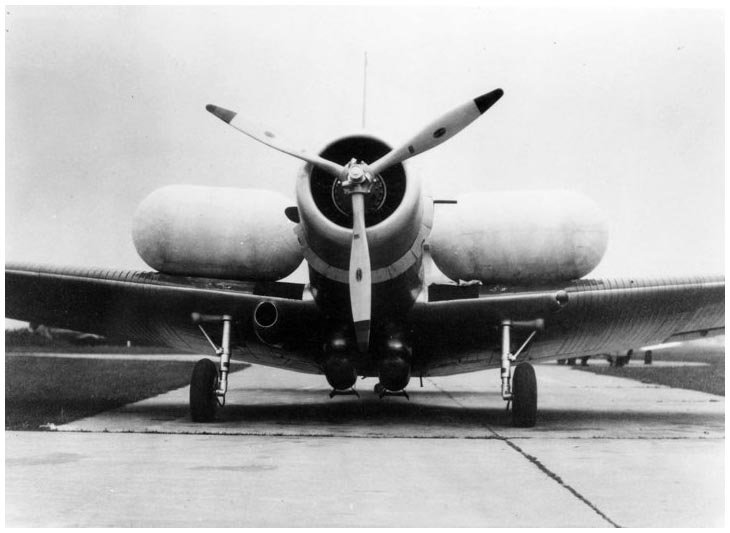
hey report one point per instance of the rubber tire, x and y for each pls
(524, 396)
(203, 384)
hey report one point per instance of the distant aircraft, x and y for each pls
(67, 335)
(371, 239)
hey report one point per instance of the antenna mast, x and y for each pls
(364, 87)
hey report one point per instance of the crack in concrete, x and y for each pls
(552, 475)
(535, 461)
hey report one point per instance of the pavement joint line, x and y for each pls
(223, 433)
(619, 437)
(268, 434)
(536, 462)
(552, 475)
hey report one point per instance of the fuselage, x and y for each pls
(398, 220)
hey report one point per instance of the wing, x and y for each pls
(153, 308)
(458, 326)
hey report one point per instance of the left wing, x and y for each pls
(156, 308)
(457, 328)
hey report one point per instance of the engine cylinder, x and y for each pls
(216, 232)
(519, 237)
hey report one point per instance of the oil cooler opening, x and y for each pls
(266, 315)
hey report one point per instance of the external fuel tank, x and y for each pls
(518, 237)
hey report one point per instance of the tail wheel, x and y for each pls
(203, 385)
(524, 396)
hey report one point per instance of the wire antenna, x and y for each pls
(364, 87)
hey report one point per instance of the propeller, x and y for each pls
(356, 179)
(268, 138)
(360, 279)
(438, 131)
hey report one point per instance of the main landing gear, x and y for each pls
(519, 388)
(208, 385)
(524, 396)
(203, 388)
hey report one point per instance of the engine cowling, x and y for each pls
(394, 213)
(519, 237)
(216, 232)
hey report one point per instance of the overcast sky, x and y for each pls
(106, 104)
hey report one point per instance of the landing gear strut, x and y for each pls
(520, 389)
(208, 385)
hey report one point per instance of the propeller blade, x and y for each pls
(274, 141)
(360, 278)
(438, 131)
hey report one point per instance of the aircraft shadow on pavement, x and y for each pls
(430, 409)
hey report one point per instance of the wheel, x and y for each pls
(378, 389)
(524, 396)
(584, 361)
(203, 385)
(648, 357)
(561, 361)
(571, 361)
(623, 360)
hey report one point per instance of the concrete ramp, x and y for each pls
(606, 452)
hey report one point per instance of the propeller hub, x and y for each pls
(356, 174)
(358, 178)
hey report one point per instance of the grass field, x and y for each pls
(43, 390)
(56, 390)
(709, 377)
(23, 341)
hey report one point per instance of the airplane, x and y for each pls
(375, 246)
